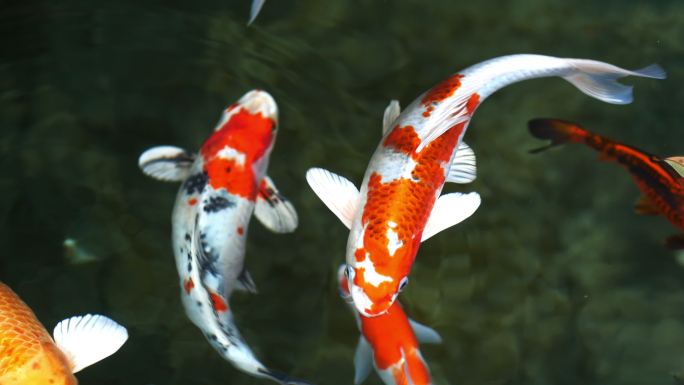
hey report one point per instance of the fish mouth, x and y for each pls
(366, 306)
(260, 102)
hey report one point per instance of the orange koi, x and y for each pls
(29, 356)
(390, 342)
(660, 180)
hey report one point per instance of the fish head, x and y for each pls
(247, 129)
(372, 298)
(379, 263)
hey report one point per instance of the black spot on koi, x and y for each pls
(217, 203)
(196, 183)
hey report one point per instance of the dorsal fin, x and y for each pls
(392, 111)
(677, 163)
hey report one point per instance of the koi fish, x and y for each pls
(254, 11)
(661, 181)
(29, 356)
(394, 355)
(399, 204)
(221, 187)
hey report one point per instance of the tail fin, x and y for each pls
(556, 130)
(282, 378)
(599, 80)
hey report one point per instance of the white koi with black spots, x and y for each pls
(222, 187)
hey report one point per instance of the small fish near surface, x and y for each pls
(389, 343)
(399, 204)
(661, 180)
(221, 188)
(29, 356)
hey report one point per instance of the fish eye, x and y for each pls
(349, 272)
(403, 283)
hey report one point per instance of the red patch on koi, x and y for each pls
(472, 103)
(440, 92)
(403, 139)
(240, 230)
(188, 285)
(246, 133)
(407, 202)
(218, 303)
(192, 201)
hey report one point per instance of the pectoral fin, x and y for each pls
(363, 361)
(246, 283)
(166, 163)
(645, 206)
(424, 334)
(449, 210)
(463, 169)
(273, 210)
(336, 192)
(88, 339)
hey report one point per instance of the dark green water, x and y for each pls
(553, 281)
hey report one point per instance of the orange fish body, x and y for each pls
(390, 340)
(661, 181)
(28, 355)
(395, 347)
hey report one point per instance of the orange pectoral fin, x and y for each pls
(675, 242)
(645, 206)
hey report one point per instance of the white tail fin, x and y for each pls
(599, 80)
(88, 339)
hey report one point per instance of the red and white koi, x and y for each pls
(390, 343)
(399, 204)
(222, 186)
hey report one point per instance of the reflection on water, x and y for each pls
(553, 281)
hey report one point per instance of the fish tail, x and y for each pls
(557, 131)
(281, 378)
(599, 80)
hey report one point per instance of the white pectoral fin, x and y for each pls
(336, 192)
(363, 361)
(449, 210)
(273, 210)
(424, 334)
(88, 339)
(392, 111)
(463, 168)
(166, 163)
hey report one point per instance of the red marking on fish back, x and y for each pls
(192, 201)
(472, 103)
(188, 285)
(240, 230)
(440, 92)
(405, 202)
(218, 303)
(248, 134)
(402, 139)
